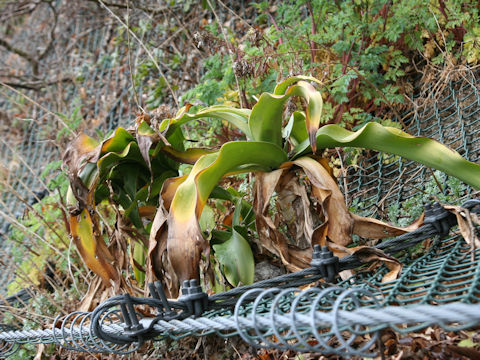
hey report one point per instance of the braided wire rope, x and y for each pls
(326, 320)
(274, 309)
(444, 274)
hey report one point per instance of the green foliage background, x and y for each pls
(369, 55)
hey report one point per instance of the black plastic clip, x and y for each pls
(441, 219)
(133, 331)
(156, 291)
(143, 329)
(324, 261)
(133, 328)
(137, 329)
(193, 297)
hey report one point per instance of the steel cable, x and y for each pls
(269, 313)
(321, 320)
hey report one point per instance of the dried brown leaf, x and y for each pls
(376, 229)
(369, 254)
(325, 189)
(79, 152)
(339, 222)
(468, 352)
(144, 144)
(269, 237)
(185, 246)
(169, 188)
(466, 222)
(294, 207)
(87, 303)
(157, 244)
(267, 182)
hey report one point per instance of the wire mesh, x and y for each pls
(100, 89)
(324, 319)
(448, 272)
(380, 182)
(379, 185)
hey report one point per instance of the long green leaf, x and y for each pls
(117, 142)
(185, 240)
(91, 246)
(296, 130)
(236, 117)
(236, 257)
(282, 87)
(138, 258)
(394, 141)
(189, 156)
(266, 118)
(209, 169)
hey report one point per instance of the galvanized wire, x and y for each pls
(449, 272)
(332, 320)
(306, 320)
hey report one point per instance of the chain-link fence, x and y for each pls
(91, 83)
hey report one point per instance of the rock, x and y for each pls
(264, 270)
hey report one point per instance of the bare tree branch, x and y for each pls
(14, 9)
(152, 10)
(52, 31)
(36, 85)
(17, 51)
(34, 60)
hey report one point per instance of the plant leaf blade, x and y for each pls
(390, 140)
(236, 257)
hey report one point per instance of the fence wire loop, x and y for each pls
(268, 314)
(277, 319)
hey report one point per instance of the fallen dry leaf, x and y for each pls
(468, 352)
(466, 221)
(376, 229)
(369, 254)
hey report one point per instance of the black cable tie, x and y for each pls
(442, 220)
(325, 262)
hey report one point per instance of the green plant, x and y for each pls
(72, 121)
(364, 52)
(137, 170)
(403, 214)
(41, 235)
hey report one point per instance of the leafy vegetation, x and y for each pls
(137, 171)
(362, 51)
(227, 185)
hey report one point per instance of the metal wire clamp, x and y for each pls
(138, 329)
(325, 262)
